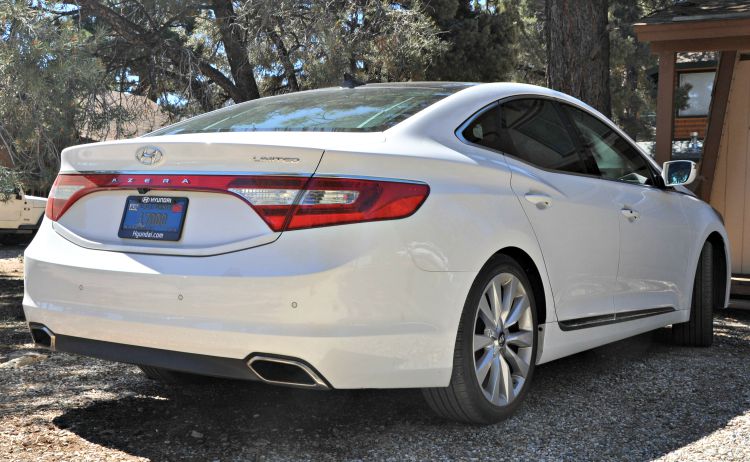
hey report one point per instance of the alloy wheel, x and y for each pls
(503, 339)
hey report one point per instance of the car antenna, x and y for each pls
(350, 81)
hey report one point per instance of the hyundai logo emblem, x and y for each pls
(149, 155)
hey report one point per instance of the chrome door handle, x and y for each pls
(542, 201)
(630, 214)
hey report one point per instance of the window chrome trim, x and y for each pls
(459, 134)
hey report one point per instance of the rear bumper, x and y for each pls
(267, 368)
(185, 362)
(353, 305)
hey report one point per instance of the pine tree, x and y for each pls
(578, 50)
(482, 39)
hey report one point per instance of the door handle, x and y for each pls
(542, 201)
(630, 214)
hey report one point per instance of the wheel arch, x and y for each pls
(721, 266)
(721, 262)
(534, 275)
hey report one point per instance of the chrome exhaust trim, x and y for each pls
(286, 371)
(42, 336)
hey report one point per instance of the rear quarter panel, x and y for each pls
(470, 214)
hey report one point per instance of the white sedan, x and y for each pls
(446, 236)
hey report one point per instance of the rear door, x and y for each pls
(572, 214)
(653, 227)
(207, 181)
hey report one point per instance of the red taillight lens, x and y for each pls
(285, 205)
(336, 201)
(69, 188)
(283, 202)
(272, 197)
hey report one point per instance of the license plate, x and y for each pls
(153, 217)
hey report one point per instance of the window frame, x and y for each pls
(575, 135)
(680, 74)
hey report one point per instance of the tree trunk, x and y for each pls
(235, 46)
(578, 50)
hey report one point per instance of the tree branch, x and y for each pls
(175, 52)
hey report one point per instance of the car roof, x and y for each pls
(426, 84)
(457, 107)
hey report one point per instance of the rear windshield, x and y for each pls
(360, 109)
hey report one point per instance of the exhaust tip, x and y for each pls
(286, 371)
(42, 336)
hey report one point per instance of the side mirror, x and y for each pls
(679, 172)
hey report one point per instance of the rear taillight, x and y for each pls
(283, 202)
(334, 201)
(67, 189)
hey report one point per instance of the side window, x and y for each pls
(533, 130)
(615, 158)
(484, 130)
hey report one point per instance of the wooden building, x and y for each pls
(721, 27)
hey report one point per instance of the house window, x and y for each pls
(699, 96)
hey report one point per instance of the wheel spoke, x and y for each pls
(483, 366)
(485, 312)
(519, 366)
(509, 294)
(507, 380)
(482, 341)
(519, 306)
(521, 339)
(494, 292)
(496, 377)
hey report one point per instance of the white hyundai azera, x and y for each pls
(445, 236)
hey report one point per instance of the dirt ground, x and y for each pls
(11, 262)
(639, 399)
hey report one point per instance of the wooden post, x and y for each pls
(665, 107)
(719, 102)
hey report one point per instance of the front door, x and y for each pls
(653, 228)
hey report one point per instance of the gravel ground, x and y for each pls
(639, 399)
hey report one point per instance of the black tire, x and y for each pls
(699, 330)
(463, 400)
(169, 376)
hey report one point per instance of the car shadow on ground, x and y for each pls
(13, 330)
(635, 399)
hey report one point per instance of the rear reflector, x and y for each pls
(283, 202)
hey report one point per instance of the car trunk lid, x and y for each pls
(214, 178)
